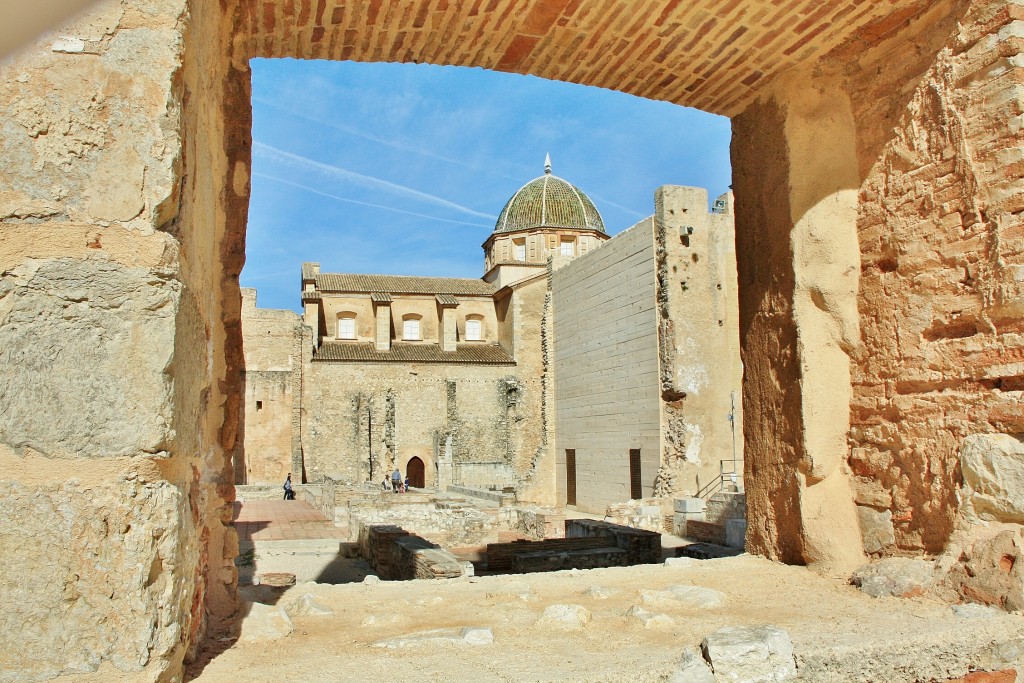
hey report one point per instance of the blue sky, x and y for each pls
(403, 168)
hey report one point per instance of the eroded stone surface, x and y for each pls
(101, 562)
(85, 344)
(264, 622)
(442, 636)
(876, 528)
(993, 472)
(750, 654)
(565, 616)
(683, 596)
(692, 669)
(648, 619)
(896, 576)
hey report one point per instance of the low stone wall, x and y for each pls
(641, 546)
(725, 505)
(397, 555)
(652, 514)
(501, 556)
(705, 532)
(588, 558)
(499, 497)
(483, 475)
(263, 492)
(534, 522)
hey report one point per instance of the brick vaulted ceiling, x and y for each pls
(709, 54)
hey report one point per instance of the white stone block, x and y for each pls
(691, 505)
(740, 653)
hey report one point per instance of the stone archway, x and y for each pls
(878, 205)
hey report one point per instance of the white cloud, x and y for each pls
(338, 173)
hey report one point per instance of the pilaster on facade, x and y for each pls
(446, 305)
(382, 321)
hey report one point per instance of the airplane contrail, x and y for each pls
(360, 203)
(281, 156)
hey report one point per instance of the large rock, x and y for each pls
(750, 654)
(991, 571)
(648, 619)
(307, 606)
(683, 596)
(565, 617)
(993, 472)
(265, 622)
(692, 669)
(87, 347)
(876, 529)
(895, 576)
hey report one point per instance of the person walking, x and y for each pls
(289, 492)
(396, 480)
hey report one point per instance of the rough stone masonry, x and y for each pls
(877, 162)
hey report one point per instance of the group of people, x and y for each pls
(396, 485)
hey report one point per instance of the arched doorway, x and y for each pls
(414, 472)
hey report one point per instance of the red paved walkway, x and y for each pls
(282, 520)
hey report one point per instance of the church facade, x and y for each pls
(578, 369)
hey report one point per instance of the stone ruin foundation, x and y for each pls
(877, 175)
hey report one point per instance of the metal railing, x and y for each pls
(730, 471)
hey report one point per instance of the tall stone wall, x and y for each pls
(942, 249)
(271, 410)
(698, 341)
(605, 355)
(117, 372)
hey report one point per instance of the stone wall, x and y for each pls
(605, 355)
(119, 387)
(698, 340)
(272, 384)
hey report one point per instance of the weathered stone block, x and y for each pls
(739, 653)
(101, 567)
(993, 471)
(896, 576)
(876, 528)
(86, 348)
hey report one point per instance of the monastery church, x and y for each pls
(580, 369)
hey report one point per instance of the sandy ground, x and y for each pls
(839, 634)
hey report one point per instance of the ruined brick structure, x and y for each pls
(877, 175)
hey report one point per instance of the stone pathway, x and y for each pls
(283, 520)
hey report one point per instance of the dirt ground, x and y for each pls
(838, 633)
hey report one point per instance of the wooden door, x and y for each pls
(636, 488)
(570, 476)
(414, 472)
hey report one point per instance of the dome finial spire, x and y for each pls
(547, 164)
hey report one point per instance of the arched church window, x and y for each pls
(474, 328)
(346, 326)
(411, 328)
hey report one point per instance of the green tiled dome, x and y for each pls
(549, 202)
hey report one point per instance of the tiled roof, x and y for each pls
(404, 352)
(403, 284)
(380, 297)
(549, 202)
(447, 300)
(311, 296)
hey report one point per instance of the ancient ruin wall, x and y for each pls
(942, 248)
(606, 368)
(115, 373)
(698, 340)
(272, 387)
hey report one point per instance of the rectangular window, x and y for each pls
(472, 330)
(346, 328)
(519, 250)
(636, 489)
(259, 405)
(568, 247)
(411, 329)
